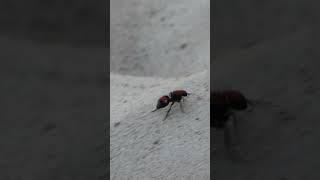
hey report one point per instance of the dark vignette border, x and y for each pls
(107, 70)
(37, 143)
(212, 9)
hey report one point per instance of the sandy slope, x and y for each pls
(145, 147)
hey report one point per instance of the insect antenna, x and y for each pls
(251, 104)
(258, 101)
(168, 111)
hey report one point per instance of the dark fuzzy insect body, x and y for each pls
(222, 105)
(177, 95)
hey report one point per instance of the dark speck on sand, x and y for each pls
(116, 124)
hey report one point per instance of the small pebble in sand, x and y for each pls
(49, 126)
(156, 142)
(142, 86)
(183, 46)
(51, 156)
(116, 124)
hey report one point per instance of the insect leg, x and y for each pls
(168, 111)
(181, 105)
(251, 106)
(227, 140)
(235, 122)
(228, 143)
(227, 137)
(262, 102)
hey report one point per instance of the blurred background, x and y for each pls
(54, 90)
(76, 22)
(268, 50)
(159, 38)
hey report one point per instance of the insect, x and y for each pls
(223, 104)
(173, 97)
